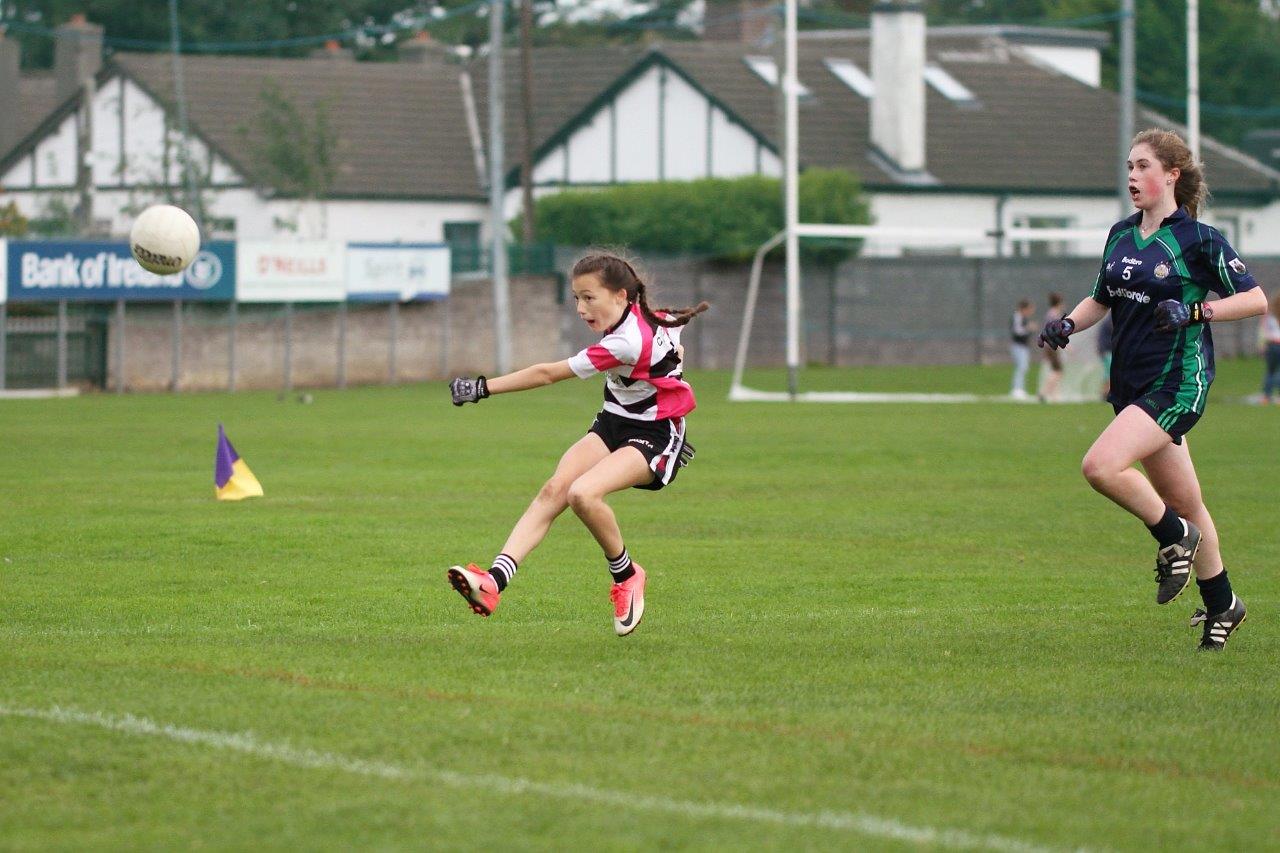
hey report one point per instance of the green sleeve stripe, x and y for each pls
(1223, 274)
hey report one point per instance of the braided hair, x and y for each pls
(616, 273)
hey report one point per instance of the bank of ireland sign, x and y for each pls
(104, 271)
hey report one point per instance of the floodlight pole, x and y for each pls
(790, 87)
(497, 183)
(1193, 78)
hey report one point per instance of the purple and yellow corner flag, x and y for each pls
(232, 479)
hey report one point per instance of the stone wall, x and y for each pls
(434, 340)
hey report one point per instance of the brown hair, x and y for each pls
(1275, 304)
(617, 273)
(1191, 190)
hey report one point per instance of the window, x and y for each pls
(464, 246)
(852, 76)
(767, 70)
(948, 86)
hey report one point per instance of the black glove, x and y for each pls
(1056, 332)
(1172, 315)
(686, 454)
(466, 390)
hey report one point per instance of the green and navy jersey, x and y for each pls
(1183, 260)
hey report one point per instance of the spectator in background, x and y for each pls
(1020, 330)
(1271, 351)
(1051, 380)
(1105, 330)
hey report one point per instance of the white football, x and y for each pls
(164, 239)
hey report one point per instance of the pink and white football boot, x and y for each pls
(477, 586)
(628, 602)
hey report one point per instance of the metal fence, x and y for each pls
(911, 310)
(869, 311)
(33, 354)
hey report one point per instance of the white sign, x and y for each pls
(4, 271)
(269, 271)
(397, 272)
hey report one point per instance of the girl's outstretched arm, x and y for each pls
(533, 376)
(467, 390)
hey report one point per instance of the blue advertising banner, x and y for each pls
(104, 271)
(397, 272)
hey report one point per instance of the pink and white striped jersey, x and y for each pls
(642, 369)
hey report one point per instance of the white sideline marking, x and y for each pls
(247, 743)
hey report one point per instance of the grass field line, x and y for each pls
(249, 744)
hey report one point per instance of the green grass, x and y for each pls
(868, 627)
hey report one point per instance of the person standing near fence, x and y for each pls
(1271, 352)
(1020, 331)
(638, 440)
(1051, 379)
(1157, 269)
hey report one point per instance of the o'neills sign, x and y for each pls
(276, 271)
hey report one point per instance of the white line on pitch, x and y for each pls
(249, 744)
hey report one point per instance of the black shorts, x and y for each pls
(663, 443)
(1171, 416)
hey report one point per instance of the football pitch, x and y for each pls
(867, 627)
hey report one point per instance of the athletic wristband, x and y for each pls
(1201, 312)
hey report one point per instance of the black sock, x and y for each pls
(1216, 592)
(504, 569)
(1168, 529)
(620, 566)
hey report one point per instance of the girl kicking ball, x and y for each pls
(638, 440)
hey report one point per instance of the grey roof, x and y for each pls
(37, 98)
(400, 127)
(1033, 128)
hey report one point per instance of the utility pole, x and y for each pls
(1126, 100)
(1193, 78)
(180, 94)
(497, 184)
(526, 106)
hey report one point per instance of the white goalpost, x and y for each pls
(795, 230)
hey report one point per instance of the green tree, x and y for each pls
(211, 21)
(717, 217)
(293, 150)
(12, 222)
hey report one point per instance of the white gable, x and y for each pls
(131, 146)
(659, 127)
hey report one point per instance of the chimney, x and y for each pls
(10, 55)
(897, 67)
(332, 50)
(748, 22)
(423, 48)
(77, 54)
